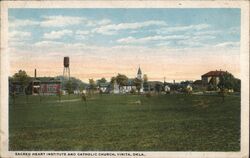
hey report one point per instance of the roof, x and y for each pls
(214, 73)
(46, 80)
(104, 84)
(139, 71)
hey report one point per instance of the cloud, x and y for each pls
(13, 23)
(82, 32)
(19, 35)
(47, 44)
(183, 28)
(90, 59)
(57, 34)
(163, 44)
(104, 22)
(228, 44)
(234, 30)
(60, 21)
(13, 44)
(191, 43)
(61, 48)
(133, 40)
(207, 32)
(113, 28)
(57, 21)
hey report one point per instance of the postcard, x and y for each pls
(125, 79)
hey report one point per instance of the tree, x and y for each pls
(237, 84)
(145, 78)
(212, 84)
(82, 87)
(22, 77)
(68, 87)
(137, 82)
(92, 84)
(145, 83)
(112, 80)
(102, 80)
(77, 84)
(158, 87)
(227, 81)
(121, 80)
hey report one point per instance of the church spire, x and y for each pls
(139, 73)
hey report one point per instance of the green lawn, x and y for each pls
(175, 122)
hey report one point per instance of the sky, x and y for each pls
(178, 44)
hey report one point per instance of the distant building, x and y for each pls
(139, 73)
(37, 85)
(104, 87)
(116, 88)
(44, 86)
(212, 77)
(139, 76)
(167, 88)
(129, 86)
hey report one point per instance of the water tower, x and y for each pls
(66, 70)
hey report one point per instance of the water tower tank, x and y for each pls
(66, 61)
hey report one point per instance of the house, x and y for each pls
(167, 88)
(212, 77)
(104, 87)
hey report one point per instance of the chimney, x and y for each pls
(35, 74)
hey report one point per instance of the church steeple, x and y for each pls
(139, 73)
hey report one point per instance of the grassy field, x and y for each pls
(175, 122)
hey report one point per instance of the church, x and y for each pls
(139, 76)
(129, 85)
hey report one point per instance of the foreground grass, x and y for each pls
(118, 123)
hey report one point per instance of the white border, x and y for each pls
(244, 67)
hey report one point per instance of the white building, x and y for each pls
(139, 76)
(129, 85)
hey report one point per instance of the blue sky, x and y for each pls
(144, 34)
